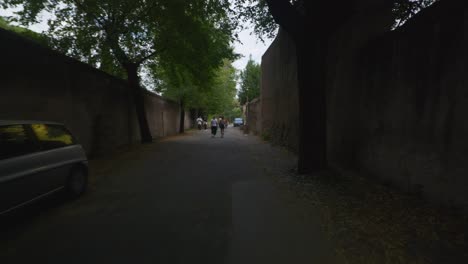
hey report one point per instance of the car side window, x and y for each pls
(14, 142)
(52, 136)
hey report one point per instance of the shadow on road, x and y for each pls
(16, 221)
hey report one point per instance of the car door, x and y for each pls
(59, 153)
(19, 177)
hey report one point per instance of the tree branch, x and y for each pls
(140, 61)
(119, 53)
(286, 16)
(84, 9)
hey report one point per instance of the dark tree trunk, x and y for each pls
(182, 118)
(194, 114)
(310, 26)
(138, 100)
(311, 74)
(312, 83)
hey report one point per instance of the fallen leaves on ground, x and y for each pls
(372, 223)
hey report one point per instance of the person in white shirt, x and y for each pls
(199, 122)
(214, 127)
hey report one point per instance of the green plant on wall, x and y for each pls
(266, 136)
(37, 37)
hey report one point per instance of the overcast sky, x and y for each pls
(250, 43)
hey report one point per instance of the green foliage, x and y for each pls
(266, 136)
(250, 82)
(232, 111)
(215, 96)
(176, 83)
(256, 11)
(37, 37)
(110, 34)
(186, 40)
(221, 96)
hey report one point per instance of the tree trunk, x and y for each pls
(307, 32)
(138, 100)
(194, 114)
(312, 83)
(182, 118)
(310, 25)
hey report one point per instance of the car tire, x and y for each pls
(77, 182)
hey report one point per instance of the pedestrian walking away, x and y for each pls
(199, 122)
(214, 127)
(222, 126)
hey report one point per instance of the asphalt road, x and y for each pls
(184, 199)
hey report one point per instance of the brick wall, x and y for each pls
(39, 84)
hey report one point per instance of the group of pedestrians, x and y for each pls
(215, 123)
(201, 123)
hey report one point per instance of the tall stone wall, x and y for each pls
(39, 84)
(278, 95)
(397, 101)
(164, 116)
(254, 116)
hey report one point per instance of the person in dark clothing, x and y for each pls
(222, 125)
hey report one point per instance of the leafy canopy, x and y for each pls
(220, 99)
(214, 97)
(111, 34)
(249, 82)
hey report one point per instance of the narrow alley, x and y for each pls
(183, 199)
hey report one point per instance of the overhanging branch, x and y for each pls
(83, 8)
(286, 16)
(140, 61)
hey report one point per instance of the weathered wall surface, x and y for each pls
(254, 116)
(397, 101)
(412, 110)
(278, 94)
(164, 116)
(39, 84)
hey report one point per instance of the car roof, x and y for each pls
(24, 122)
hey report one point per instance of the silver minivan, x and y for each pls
(37, 159)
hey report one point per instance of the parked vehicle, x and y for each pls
(238, 121)
(38, 159)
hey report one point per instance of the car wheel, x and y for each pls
(77, 182)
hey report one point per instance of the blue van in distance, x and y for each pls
(238, 121)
